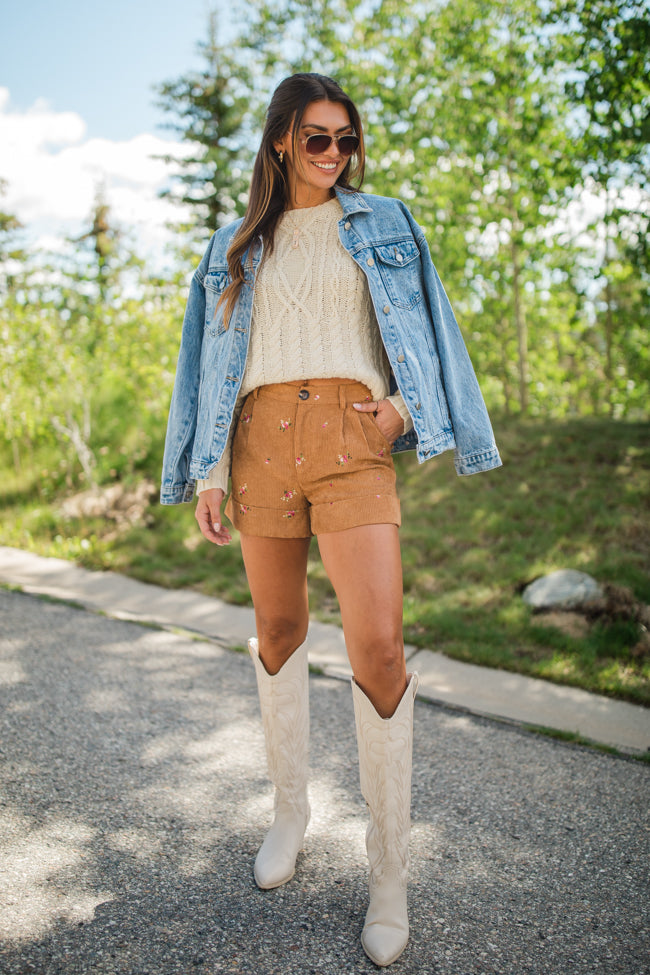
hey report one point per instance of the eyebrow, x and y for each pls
(323, 128)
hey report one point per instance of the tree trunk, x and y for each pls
(609, 334)
(522, 331)
(609, 309)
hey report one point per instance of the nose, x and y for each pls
(333, 150)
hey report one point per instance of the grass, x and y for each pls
(571, 494)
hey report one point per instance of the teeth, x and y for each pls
(328, 166)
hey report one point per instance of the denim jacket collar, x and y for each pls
(351, 201)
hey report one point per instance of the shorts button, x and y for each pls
(303, 394)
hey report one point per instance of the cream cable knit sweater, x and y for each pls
(312, 318)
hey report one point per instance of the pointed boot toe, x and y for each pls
(275, 863)
(383, 944)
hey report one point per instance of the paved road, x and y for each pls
(134, 796)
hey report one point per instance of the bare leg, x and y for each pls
(365, 567)
(276, 569)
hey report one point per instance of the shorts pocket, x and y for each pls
(376, 442)
(244, 423)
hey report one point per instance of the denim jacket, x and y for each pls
(428, 359)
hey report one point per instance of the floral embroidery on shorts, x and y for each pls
(243, 508)
(289, 514)
(288, 495)
(326, 423)
(246, 417)
(382, 452)
(243, 489)
(344, 459)
(268, 460)
(284, 425)
(300, 459)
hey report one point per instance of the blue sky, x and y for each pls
(99, 59)
(77, 112)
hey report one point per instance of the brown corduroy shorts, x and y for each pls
(305, 462)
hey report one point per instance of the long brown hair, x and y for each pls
(269, 186)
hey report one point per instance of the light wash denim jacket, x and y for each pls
(427, 355)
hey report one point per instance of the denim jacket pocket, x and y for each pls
(400, 272)
(215, 284)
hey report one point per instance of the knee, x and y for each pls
(383, 676)
(278, 634)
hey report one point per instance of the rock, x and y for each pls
(563, 589)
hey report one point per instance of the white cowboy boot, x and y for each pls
(284, 702)
(385, 758)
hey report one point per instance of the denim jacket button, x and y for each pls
(386, 309)
(347, 225)
(370, 262)
(400, 358)
(418, 406)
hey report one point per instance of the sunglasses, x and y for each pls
(346, 144)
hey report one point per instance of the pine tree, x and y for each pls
(212, 114)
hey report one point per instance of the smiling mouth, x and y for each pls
(326, 167)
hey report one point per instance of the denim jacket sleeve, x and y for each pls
(475, 449)
(177, 485)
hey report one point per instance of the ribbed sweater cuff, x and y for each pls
(218, 476)
(399, 404)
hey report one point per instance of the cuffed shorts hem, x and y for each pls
(337, 516)
(268, 522)
(332, 516)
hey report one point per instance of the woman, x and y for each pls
(317, 341)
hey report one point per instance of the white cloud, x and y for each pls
(53, 172)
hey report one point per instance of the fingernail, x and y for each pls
(216, 526)
(357, 406)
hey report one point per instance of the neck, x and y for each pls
(298, 200)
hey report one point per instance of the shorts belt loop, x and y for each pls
(256, 392)
(342, 399)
